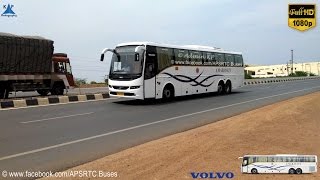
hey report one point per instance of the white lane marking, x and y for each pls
(61, 117)
(144, 125)
(76, 102)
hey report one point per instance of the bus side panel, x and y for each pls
(149, 88)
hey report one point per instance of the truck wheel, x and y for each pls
(57, 89)
(4, 93)
(1, 93)
(43, 92)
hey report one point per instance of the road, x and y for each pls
(74, 91)
(61, 136)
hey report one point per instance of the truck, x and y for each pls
(28, 63)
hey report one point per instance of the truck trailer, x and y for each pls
(27, 63)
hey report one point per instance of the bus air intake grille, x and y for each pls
(121, 87)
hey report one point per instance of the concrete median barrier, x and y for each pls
(51, 100)
(277, 80)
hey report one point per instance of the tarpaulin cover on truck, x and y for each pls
(25, 54)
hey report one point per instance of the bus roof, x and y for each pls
(278, 155)
(187, 47)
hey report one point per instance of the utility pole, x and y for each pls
(291, 61)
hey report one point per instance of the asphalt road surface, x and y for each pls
(62, 136)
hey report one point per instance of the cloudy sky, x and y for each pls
(82, 28)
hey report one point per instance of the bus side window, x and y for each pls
(150, 64)
(230, 59)
(195, 57)
(181, 56)
(220, 59)
(250, 160)
(238, 60)
(164, 57)
(270, 159)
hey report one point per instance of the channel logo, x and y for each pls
(212, 175)
(302, 16)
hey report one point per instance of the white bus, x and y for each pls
(142, 70)
(281, 163)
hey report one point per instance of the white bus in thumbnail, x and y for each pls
(281, 163)
(142, 70)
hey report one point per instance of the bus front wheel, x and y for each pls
(168, 92)
(292, 171)
(299, 171)
(254, 171)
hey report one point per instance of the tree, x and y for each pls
(247, 76)
(312, 74)
(93, 82)
(80, 81)
(299, 74)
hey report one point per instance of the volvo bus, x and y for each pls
(143, 70)
(281, 163)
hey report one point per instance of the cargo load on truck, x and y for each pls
(27, 63)
(25, 54)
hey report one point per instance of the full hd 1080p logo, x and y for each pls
(212, 175)
(302, 16)
(8, 11)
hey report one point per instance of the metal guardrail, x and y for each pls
(275, 80)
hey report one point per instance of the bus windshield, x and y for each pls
(126, 62)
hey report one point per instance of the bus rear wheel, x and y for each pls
(299, 171)
(220, 88)
(254, 171)
(292, 171)
(228, 87)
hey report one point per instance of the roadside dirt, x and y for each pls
(288, 127)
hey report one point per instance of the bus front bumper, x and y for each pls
(133, 92)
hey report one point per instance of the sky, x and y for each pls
(82, 28)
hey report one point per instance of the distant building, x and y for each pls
(282, 69)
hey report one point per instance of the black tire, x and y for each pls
(43, 92)
(292, 171)
(168, 93)
(299, 171)
(57, 89)
(228, 87)
(254, 171)
(1, 93)
(4, 94)
(220, 88)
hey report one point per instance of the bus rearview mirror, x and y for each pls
(139, 49)
(102, 57)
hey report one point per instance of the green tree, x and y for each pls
(312, 74)
(80, 81)
(299, 74)
(247, 76)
